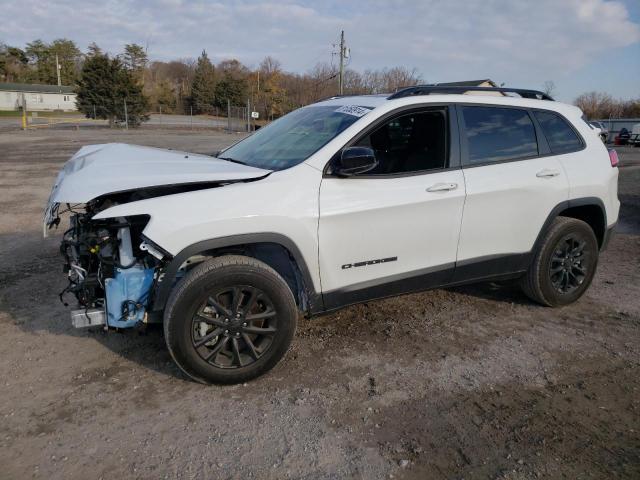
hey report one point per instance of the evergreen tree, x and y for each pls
(104, 87)
(203, 85)
(230, 89)
(42, 56)
(13, 64)
(93, 49)
(135, 60)
(165, 96)
(232, 86)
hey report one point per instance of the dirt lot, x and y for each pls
(473, 382)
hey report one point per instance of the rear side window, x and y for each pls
(495, 134)
(560, 136)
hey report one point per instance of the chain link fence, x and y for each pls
(127, 113)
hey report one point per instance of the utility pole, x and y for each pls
(341, 75)
(58, 70)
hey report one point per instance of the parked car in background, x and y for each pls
(604, 131)
(623, 137)
(634, 139)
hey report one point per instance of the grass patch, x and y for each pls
(17, 114)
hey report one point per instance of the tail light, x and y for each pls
(613, 158)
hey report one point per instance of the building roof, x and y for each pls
(467, 83)
(34, 88)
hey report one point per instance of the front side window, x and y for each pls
(560, 136)
(291, 139)
(409, 143)
(495, 134)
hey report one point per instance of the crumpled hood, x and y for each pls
(97, 170)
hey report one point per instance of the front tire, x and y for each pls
(564, 263)
(229, 320)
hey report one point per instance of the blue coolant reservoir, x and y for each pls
(127, 295)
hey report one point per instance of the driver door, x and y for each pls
(394, 229)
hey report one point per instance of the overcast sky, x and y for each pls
(579, 44)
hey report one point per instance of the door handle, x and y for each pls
(442, 187)
(547, 173)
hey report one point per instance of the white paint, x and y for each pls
(116, 167)
(507, 205)
(373, 218)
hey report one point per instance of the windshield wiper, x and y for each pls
(229, 159)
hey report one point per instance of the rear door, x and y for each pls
(513, 183)
(396, 228)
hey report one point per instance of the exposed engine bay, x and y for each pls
(110, 269)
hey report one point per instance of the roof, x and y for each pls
(466, 83)
(384, 104)
(35, 88)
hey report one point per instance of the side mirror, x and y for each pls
(355, 160)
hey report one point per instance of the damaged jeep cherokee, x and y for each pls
(351, 199)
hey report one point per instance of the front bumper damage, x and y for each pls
(112, 268)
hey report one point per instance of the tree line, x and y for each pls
(599, 105)
(205, 86)
(184, 85)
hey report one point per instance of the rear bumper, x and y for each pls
(607, 237)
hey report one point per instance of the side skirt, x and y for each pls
(498, 267)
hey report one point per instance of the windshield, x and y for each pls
(291, 139)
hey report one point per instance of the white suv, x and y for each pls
(347, 200)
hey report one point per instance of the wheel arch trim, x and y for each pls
(565, 205)
(163, 288)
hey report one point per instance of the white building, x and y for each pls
(485, 82)
(39, 98)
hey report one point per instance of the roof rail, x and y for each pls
(435, 89)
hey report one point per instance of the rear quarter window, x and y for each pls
(559, 134)
(497, 134)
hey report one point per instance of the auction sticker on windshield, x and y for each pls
(354, 110)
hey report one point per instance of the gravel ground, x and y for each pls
(469, 382)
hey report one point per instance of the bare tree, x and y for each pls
(549, 87)
(596, 105)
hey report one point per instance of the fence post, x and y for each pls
(160, 108)
(94, 112)
(228, 114)
(126, 116)
(191, 116)
(24, 112)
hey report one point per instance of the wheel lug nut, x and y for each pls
(237, 315)
(226, 320)
(244, 324)
(226, 332)
(237, 334)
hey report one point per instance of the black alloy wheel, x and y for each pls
(230, 319)
(564, 263)
(569, 264)
(234, 327)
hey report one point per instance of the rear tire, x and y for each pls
(564, 263)
(229, 320)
